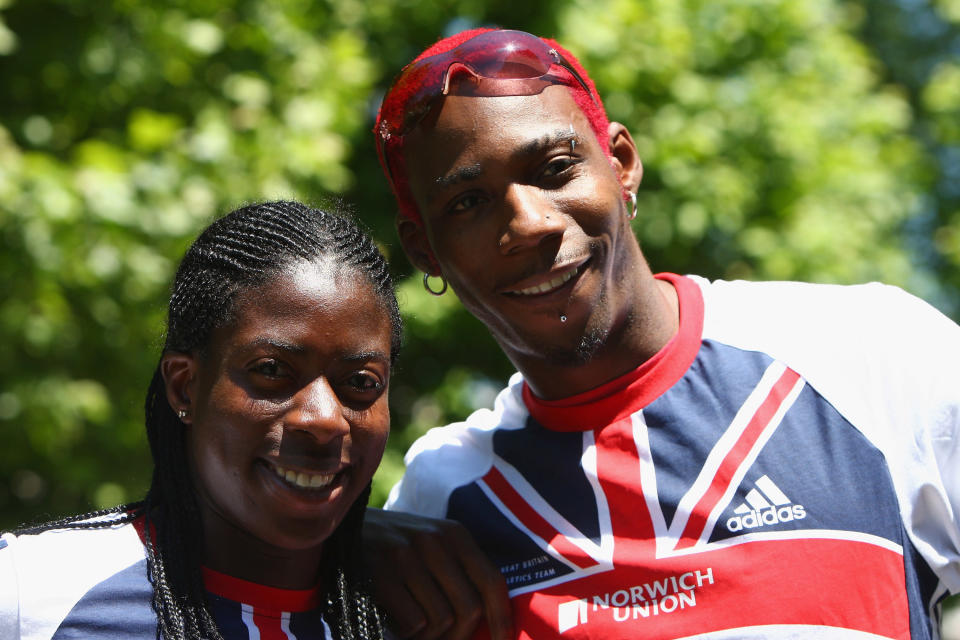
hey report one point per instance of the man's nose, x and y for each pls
(530, 218)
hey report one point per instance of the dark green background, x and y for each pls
(815, 140)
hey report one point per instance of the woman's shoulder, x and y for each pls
(73, 577)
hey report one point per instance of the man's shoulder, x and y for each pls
(778, 310)
(798, 292)
(453, 455)
(873, 351)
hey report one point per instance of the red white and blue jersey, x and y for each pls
(787, 466)
(92, 583)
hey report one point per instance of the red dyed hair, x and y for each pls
(392, 156)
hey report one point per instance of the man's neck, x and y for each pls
(653, 320)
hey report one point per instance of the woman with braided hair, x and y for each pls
(266, 416)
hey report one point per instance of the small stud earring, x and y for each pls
(182, 414)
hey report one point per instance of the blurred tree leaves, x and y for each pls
(815, 140)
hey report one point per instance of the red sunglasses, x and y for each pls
(501, 63)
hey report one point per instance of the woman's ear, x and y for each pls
(179, 375)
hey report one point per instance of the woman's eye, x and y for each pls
(364, 382)
(465, 203)
(269, 368)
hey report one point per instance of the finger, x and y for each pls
(490, 586)
(432, 606)
(401, 582)
(404, 616)
(457, 586)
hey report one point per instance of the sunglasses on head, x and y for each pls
(497, 63)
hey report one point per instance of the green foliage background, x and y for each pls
(813, 140)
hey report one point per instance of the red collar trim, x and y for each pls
(617, 399)
(260, 596)
(257, 595)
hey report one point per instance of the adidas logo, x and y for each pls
(766, 504)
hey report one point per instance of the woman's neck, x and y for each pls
(233, 551)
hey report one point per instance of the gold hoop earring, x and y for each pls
(426, 285)
(632, 213)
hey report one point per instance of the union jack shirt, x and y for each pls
(787, 466)
(92, 583)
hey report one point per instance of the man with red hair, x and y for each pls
(675, 457)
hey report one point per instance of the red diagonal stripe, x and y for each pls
(268, 626)
(534, 521)
(735, 457)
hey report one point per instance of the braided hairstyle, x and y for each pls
(239, 251)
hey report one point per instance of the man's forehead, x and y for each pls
(522, 124)
(553, 104)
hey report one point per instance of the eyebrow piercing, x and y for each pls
(573, 141)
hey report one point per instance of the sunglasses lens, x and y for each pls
(498, 55)
(507, 54)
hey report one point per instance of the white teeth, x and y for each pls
(305, 480)
(548, 286)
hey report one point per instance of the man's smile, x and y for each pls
(548, 282)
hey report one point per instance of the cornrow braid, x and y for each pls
(237, 252)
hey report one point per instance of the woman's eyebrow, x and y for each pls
(365, 356)
(277, 344)
(470, 172)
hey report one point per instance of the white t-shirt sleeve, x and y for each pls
(449, 457)
(9, 590)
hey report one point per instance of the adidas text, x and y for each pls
(773, 515)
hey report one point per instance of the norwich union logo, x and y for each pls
(635, 602)
(571, 614)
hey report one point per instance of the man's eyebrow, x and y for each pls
(549, 140)
(473, 171)
(462, 174)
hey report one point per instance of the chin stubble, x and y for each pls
(595, 336)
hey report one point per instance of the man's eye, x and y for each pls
(558, 166)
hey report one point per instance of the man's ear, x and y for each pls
(179, 376)
(413, 239)
(626, 158)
